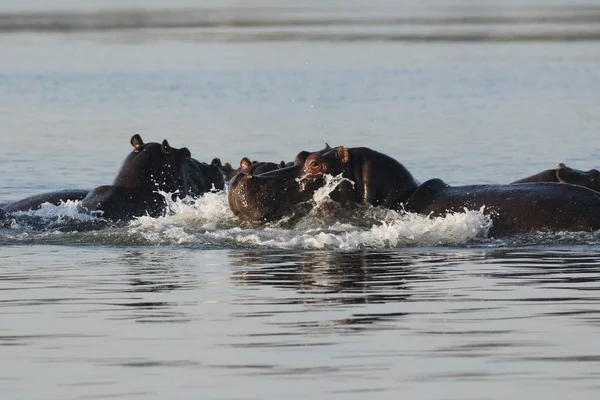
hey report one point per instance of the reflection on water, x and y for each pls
(331, 278)
(427, 321)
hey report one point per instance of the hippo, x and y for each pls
(4, 221)
(377, 179)
(564, 174)
(381, 181)
(514, 209)
(56, 197)
(203, 177)
(274, 194)
(149, 169)
(270, 196)
(228, 171)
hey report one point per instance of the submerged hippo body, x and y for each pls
(514, 209)
(564, 174)
(56, 197)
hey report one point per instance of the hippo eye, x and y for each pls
(314, 164)
(593, 178)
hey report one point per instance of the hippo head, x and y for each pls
(332, 162)
(303, 155)
(265, 192)
(261, 198)
(589, 179)
(155, 167)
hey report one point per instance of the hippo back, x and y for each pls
(563, 174)
(514, 209)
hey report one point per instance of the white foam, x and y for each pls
(68, 209)
(331, 182)
(209, 221)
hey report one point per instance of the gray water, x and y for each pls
(195, 305)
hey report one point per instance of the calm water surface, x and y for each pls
(194, 305)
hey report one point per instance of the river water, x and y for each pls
(194, 305)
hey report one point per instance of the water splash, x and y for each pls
(208, 222)
(331, 183)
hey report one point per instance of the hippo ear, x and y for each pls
(343, 154)
(216, 162)
(245, 163)
(281, 164)
(185, 153)
(166, 148)
(561, 165)
(136, 141)
(561, 175)
(327, 146)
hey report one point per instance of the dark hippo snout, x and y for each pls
(261, 198)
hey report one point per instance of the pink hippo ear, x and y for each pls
(136, 141)
(343, 154)
(245, 163)
(561, 165)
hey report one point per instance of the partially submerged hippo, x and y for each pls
(149, 169)
(258, 199)
(381, 181)
(564, 174)
(34, 202)
(203, 177)
(527, 207)
(274, 194)
(377, 178)
(267, 197)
